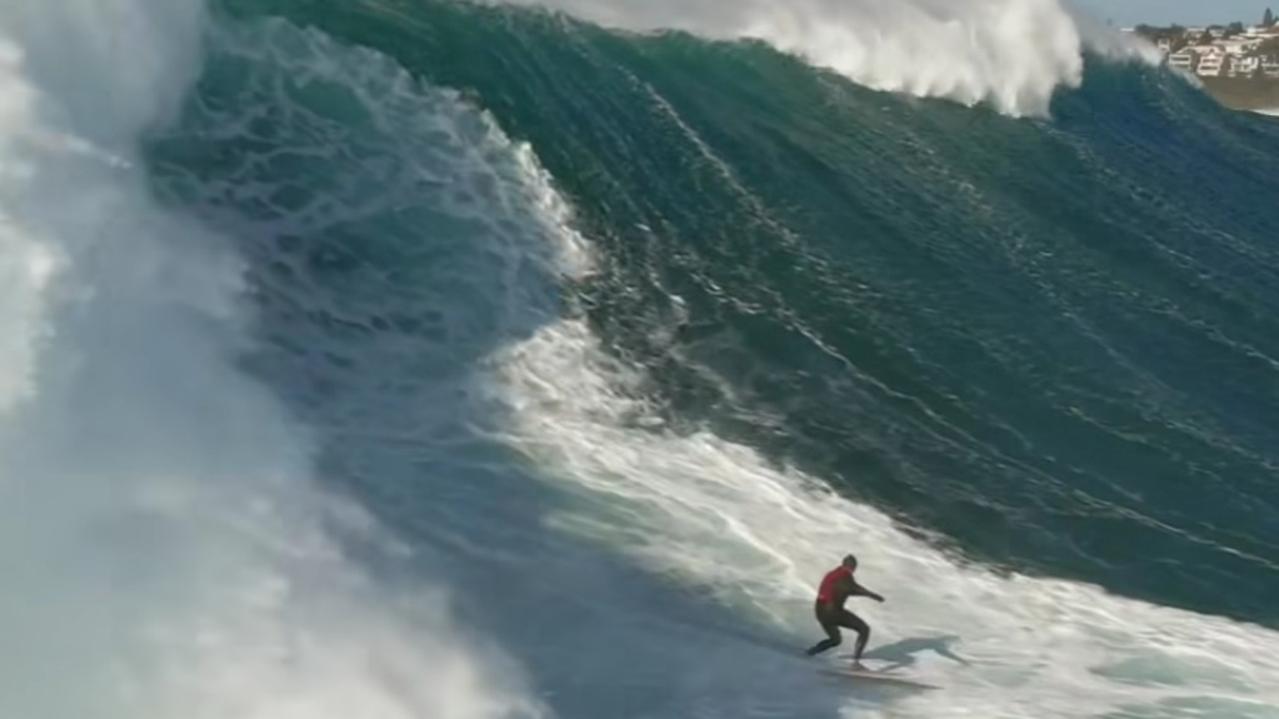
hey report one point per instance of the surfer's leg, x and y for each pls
(857, 624)
(832, 639)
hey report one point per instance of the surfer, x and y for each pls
(836, 587)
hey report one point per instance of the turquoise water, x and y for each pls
(1052, 343)
(409, 359)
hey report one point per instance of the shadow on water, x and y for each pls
(902, 653)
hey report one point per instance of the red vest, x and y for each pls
(828, 592)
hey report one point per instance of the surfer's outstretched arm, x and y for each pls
(861, 591)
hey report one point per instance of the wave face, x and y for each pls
(403, 359)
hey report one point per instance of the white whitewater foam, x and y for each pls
(165, 550)
(1013, 54)
(716, 516)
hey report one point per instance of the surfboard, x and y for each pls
(865, 675)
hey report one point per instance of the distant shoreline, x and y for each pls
(1238, 93)
(1237, 64)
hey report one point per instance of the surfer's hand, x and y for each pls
(878, 597)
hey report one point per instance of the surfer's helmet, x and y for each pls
(850, 561)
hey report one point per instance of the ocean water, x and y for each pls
(415, 359)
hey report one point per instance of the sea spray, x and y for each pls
(167, 552)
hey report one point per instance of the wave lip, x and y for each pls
(1012, 54)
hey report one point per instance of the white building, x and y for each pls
(1211, 64)
(1270, 66)
(1238, 45)
(1184, 60)
(1245, 66)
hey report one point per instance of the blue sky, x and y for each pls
(1164, 12)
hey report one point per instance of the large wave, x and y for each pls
(415, 326)
(311, 433)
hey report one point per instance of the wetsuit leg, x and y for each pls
(830, 625)
(852, 621)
